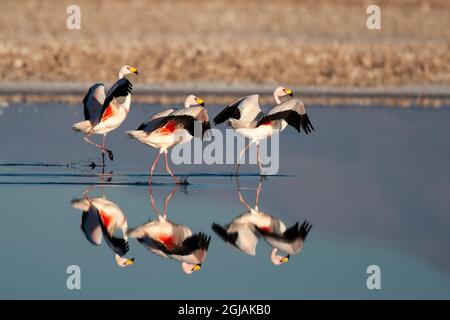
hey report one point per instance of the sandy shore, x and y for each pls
(298, 43)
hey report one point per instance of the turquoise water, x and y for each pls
(374, 182)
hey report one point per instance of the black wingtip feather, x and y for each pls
(118, 245)
(198, 241)
(229, 112)
(223, 234)
(298, 121)
(295, 231)
(304, 229)
(306, 124)
(292, 233)
(121, 246)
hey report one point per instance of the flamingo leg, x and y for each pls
(166, 201)
(103, 153)
(86, 192)
(153, 168)
(152, 200)
(102, 179)
(110, 154)
(258, 158)
(258, 191)
(169, 171)
(102, 148)
(241, 198)
(240, 156)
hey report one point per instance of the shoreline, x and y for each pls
(72, 93)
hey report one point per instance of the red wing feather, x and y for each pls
(266, 123)
(168, 241)
(169, 127)
(105, 218)
(109, 112)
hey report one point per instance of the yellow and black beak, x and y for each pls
(200, 101)
(129, 262)
(289, 92)
(285, 259)
(134, 70)
(197, 267)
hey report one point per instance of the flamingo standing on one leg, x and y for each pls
(103, 112)
(100, 220)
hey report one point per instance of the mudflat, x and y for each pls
(325, 43)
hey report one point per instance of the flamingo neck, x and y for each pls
(126, 104)
(187, 267)
(274, 257)
(277, 99)
(119, 260)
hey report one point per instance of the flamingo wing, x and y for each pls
(293, 112)
(93, 102)
(121, 88)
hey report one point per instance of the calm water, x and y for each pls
(374, 182)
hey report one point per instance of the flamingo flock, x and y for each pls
(105, 112)
(103, 220)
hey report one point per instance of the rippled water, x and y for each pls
(374, 182)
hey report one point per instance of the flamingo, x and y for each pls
(105, 112)
(100, 220)
(245, 230)
(247, 119)
(171, 240)
(171, 127)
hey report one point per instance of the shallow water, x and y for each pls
(374, 182)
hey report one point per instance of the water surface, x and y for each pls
(374, 182)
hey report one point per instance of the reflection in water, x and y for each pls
(101, 219)
(171, 240)
(245, 230)
(368, 202)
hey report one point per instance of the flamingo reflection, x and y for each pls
(101, 219)
(244, 231)
(171, 240)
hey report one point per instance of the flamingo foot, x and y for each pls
(183, 181)
(110, 154)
